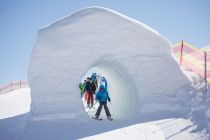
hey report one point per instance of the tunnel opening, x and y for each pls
(121, 89)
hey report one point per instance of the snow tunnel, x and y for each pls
(121, 88)
(136, 60)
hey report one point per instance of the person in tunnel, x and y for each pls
(104, 81)
(84, 84)
(85, 88)
(90, 88)
(94, 79)
(102, 96)
(81, 87)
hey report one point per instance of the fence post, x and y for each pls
(181, 53)
(205, 71)
(11, 86)
(206, 82)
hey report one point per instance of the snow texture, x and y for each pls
(14, 113)
(21, 102)
(142, 74)
(59, 126)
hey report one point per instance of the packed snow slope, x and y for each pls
(14, 110)
(142, 74)
(20, 99)
(59, 126)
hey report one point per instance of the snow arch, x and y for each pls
(121, 88)
(65, 50)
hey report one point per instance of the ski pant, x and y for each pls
(90, 99)
(105, 108)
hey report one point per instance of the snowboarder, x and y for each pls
(102, 96)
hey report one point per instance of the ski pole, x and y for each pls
(92, 107)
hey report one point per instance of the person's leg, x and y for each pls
(99, 110)
(86, 96)
(106, 110)
(88, 100)
(91, 98)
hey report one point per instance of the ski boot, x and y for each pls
(110, 118)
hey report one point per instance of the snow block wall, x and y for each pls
(136, 60)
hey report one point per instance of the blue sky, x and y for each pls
(20, 21)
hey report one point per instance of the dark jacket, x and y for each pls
(90, 87)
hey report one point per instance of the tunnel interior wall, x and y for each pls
(121, 88)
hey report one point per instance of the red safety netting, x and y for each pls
(192, 58)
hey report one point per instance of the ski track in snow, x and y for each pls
(138, 131)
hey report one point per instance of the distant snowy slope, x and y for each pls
(14, 109)
(15, 103)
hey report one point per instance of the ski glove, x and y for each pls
(109, 99)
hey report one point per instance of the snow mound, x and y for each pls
(142, 74)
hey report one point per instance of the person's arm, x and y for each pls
(106, 86)
(80, 87)
(84, 87)
(96, 83)
(94, 88)
(108, 97)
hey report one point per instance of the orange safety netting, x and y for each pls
(195, 59)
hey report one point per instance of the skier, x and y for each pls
(103, 81)
(90, 87)
(94, 79)
(86, 88)
(81, 87)
(84, 84)
(102, 96)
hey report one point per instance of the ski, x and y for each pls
(93, 107)
(100, 119)
(111, 119)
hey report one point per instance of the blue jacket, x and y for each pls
(102, 96)
(84, 85)
(94, 75)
